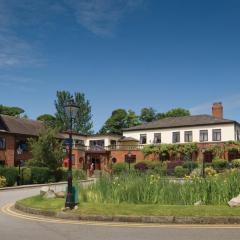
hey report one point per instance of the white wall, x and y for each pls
(228, 133)
(107, 139)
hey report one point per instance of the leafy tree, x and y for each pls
(119, 119)
(132, 119)
(83, 121)
(48, 119)
(47, 150)
(175, 112)
(148, 115)
(11, 111)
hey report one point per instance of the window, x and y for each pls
(203, 135)
(157, 138)
(238, 135)
(93, 143)
(216, 135)
(188, 136)
(113, 142)
(21, 146)
(176, 137)
(2, 143)
(143, 138)
(131, 160)
(79, 142)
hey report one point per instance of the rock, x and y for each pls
(60, 194)
(235, 202)
(76, 207)
(198, 203)
(50, 194)
(43, 190)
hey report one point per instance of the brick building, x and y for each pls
(205, 130)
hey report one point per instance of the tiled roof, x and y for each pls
(187, 121)
(21, 126)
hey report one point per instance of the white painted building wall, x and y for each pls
(227, 132)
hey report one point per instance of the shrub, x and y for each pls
(40, 175)
(197, 172)
(3, 182)
(236, 163)
(120, 168)
(190, 165)
(10, 173)
(26, 175)
(210, 171)
(219, 164)
(79, 174)
(141, 166)
(179, 171)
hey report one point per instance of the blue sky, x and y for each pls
(121, 53)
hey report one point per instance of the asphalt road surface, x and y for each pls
(16, 228)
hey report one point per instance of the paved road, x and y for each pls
(12, 228)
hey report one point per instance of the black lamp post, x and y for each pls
(203, 163)
(129, 160)
(71, 110)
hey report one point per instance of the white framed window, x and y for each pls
(216, 135)
(157, 138)
(203, 135)
(143, 138)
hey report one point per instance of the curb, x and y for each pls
(41, 185)
(130, 219)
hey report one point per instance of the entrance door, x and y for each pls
(97, 163)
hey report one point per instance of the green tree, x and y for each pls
(119, 119)
(11, 111)
(47, 150)
(132, 119)
(83, 122)
(175, 112)
(148, 114)
(48, 119)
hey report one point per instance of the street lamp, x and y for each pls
(71, 110)
(129, 156)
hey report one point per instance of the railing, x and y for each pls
(109, 148)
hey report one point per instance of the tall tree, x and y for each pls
(175, 112)
(48, 119)
(148, 114)
(83, 122)
(11, 111)
(119, 119)
(47, 150)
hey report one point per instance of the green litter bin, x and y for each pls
(75, 192)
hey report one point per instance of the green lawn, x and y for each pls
(133, 209)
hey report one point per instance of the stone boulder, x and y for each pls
(50, 194)
(43, 190)
(60, 194)
(235, 202)
(199, 203)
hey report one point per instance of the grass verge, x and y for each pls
(132, 209)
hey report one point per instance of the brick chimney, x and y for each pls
(217, 110)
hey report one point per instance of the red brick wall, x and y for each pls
(10, 150)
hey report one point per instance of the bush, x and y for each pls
(190, 165)
(179, 171)
(26, 175)
(3, 182)
(210, 171)
(79, 174)
(236, 163)
(119, 168)
(141, 166)
(40, 175)
(10, 173)
(219, 164)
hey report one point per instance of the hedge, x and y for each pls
(10, 174)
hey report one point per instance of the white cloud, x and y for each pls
(102, 16)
